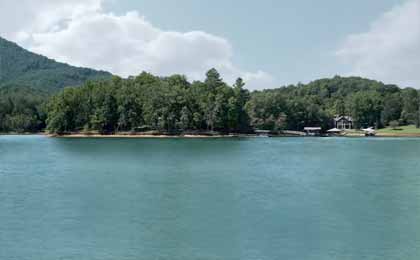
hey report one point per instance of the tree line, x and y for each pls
(370, 103)
(173, 104)
(166, 104)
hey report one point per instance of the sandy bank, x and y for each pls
(120, 135)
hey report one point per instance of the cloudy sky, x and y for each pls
(269, 43)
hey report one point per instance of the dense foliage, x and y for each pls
(370, 103)
(167, 104)
(21, 67)
(172, 104)
(21, 109)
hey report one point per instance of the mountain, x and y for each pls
(19, 67)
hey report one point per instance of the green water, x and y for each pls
(239, 199)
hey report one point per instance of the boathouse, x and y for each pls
(264, 133)
(313, 131)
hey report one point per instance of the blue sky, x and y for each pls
(268, 43)
(293, 40)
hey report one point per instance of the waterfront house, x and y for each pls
(343, 122)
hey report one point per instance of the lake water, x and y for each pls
(208, 199)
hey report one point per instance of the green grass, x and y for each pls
(410, 129)
(354, 132)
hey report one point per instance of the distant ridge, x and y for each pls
(20, 67)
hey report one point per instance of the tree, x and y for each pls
(410, 106)
(366, 108)
(185, 120)
(241, 97)
(213, 79)
(340, 107)
(392, 109)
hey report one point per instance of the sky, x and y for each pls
(269, 43)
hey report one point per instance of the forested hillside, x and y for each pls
(19, 67)
(172, 104)
(21, 109)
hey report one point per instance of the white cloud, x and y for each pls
(20, 18)
(79, 32)
(390, 50)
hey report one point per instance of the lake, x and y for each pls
(209, 199)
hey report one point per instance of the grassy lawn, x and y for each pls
(411, 129)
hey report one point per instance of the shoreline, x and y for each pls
(191, 136)
(23, 134)
(396, 135)
(198, 135)
(146, 136)
(381, 135)
(156, 134)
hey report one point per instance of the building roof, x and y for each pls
(312, 128)
(262, 131)
(335, 130)
(348, 118)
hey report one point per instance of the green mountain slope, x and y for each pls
(23, 68)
